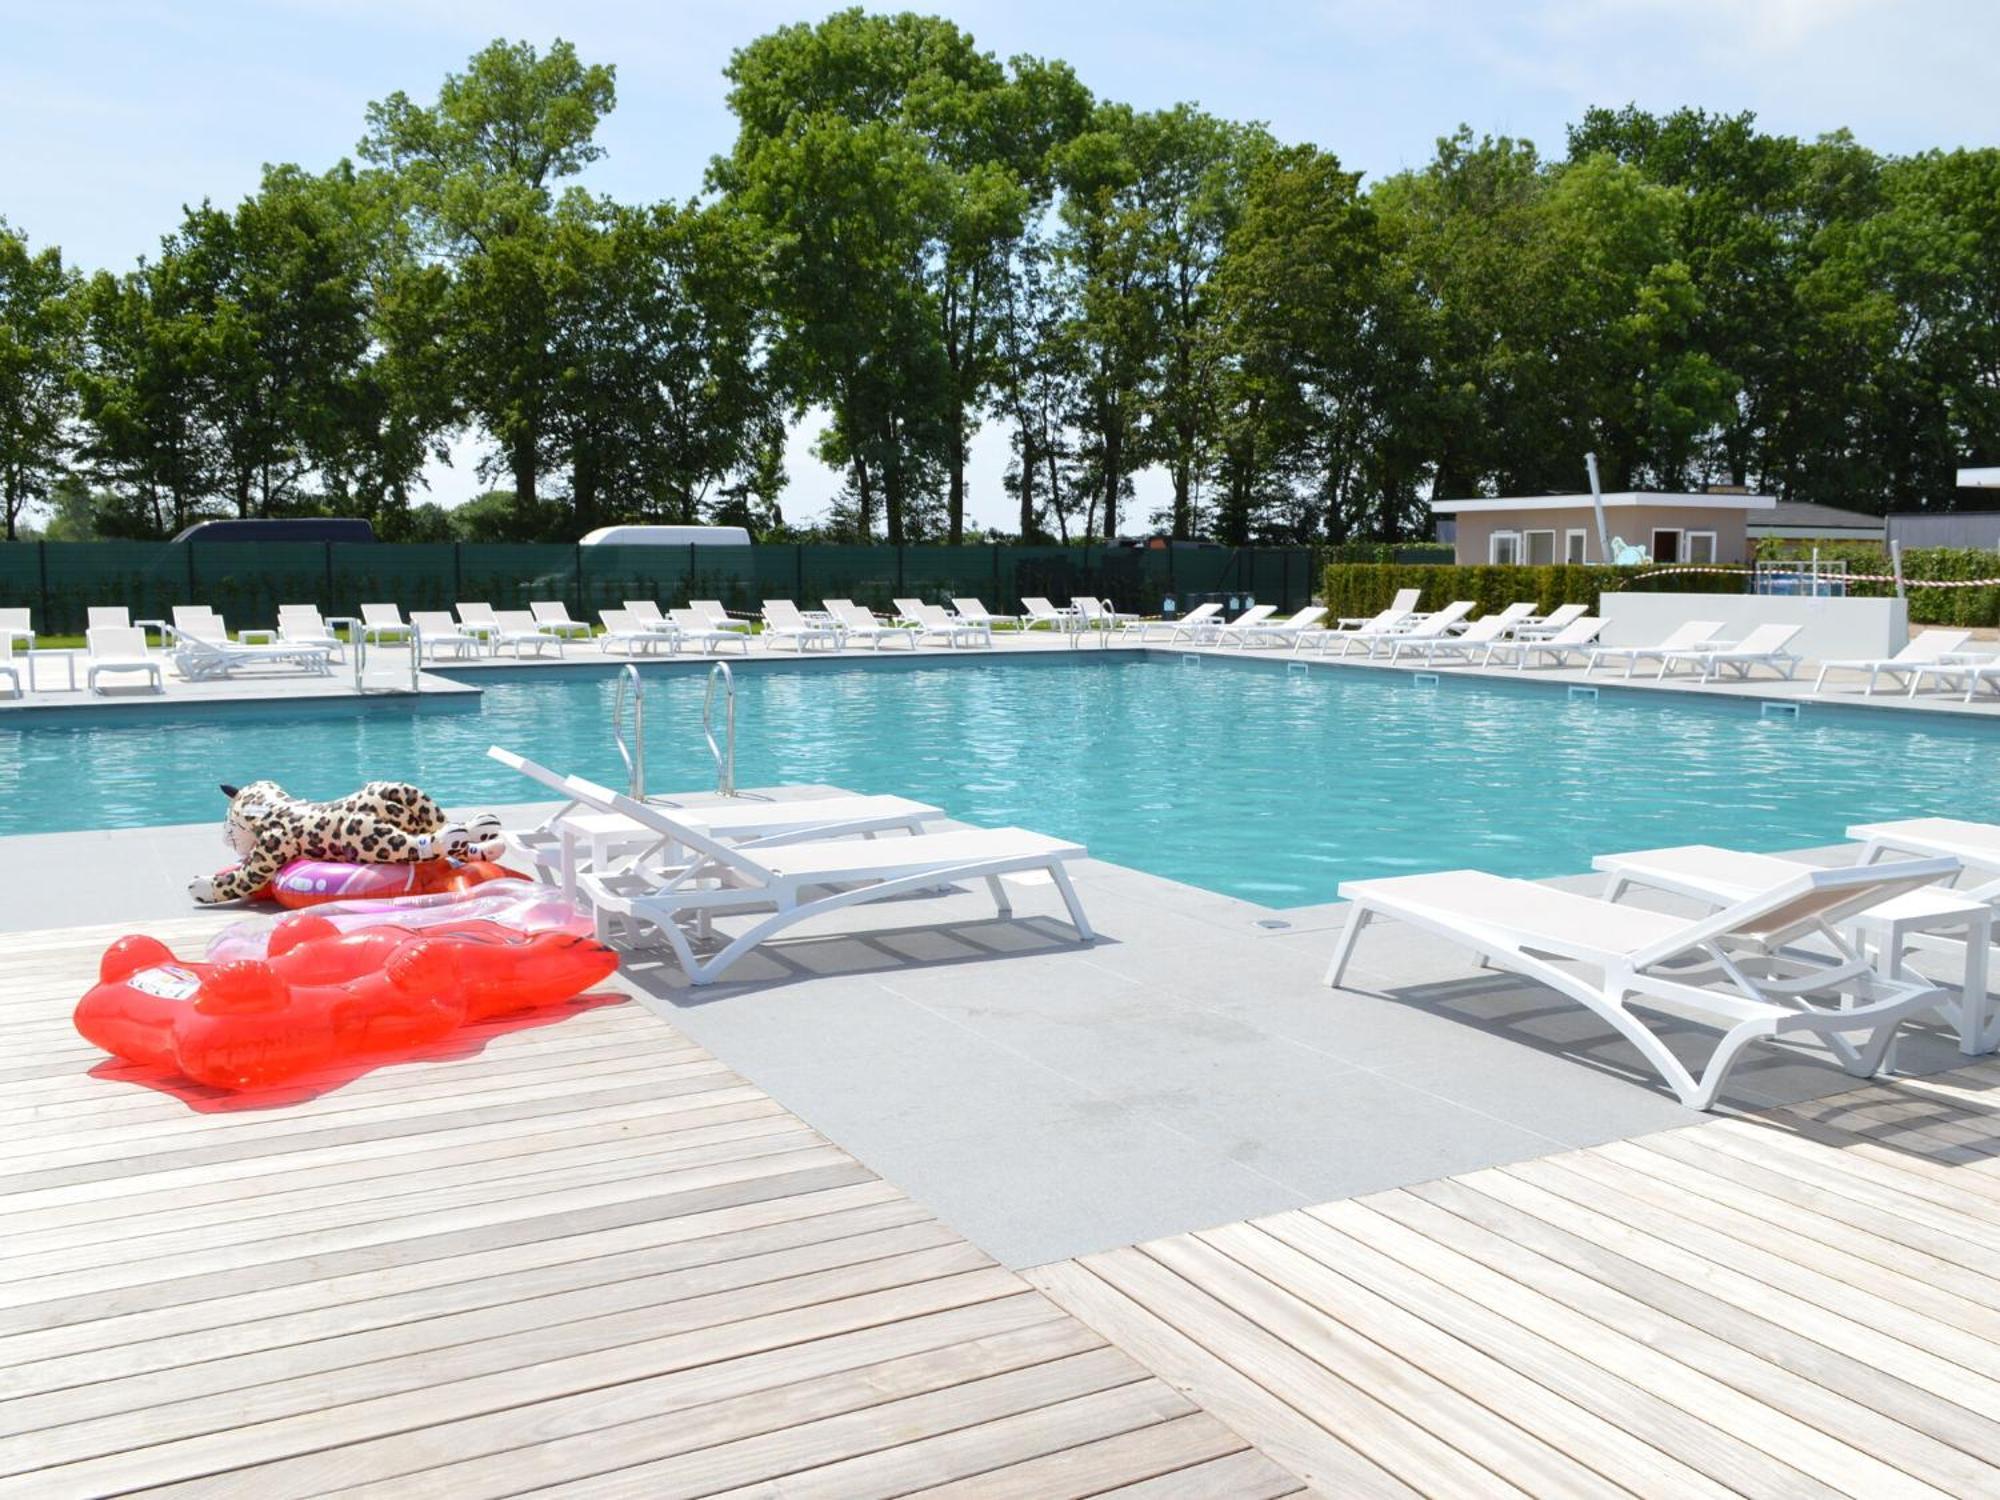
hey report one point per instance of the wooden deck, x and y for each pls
(579, 1256)
(1802, 1304)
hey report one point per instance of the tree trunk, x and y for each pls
(892, 486)
(864, 499)
(1029, 460)
(526, 471)
(1114, 454)
(955, 500)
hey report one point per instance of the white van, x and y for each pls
(666, 536)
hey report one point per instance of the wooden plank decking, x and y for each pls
(1800, 1304)
(579, 1256)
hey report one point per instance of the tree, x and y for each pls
(1319, 390)
(478, 170)
(40, 318)
(892, 167)
(661, 397)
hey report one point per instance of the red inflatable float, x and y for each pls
(323, 996)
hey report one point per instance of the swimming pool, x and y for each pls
(1239, 777)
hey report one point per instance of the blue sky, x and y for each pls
(113, 113)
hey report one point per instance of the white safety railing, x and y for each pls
(725, 752)
(634, 754)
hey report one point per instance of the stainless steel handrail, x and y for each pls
(725, 753)
(416, 657)
(633, 755)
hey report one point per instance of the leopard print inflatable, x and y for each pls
(386, 822)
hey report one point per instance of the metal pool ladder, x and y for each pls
(724, 753)
(634, 755)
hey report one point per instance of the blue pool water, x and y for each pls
(1241, 778)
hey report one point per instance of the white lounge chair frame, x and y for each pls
(858, 623)
(716, 617)
(1183, 627)
(787, 880)
(785, 624)
(382, 622)
(552, 615)
(1683, 637)
(518, 629)
(690, 629)
(200, 659)
(439, 632)
(120, 648)
(1285, 632)
(1430, 628)
(978, 614)
(1732, 969)
(1573, 640)
(1924, 649)
(302, 625)
(1765, 646)
(933, 620)
(626, 634)
(1404, 603)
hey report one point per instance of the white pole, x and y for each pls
(1896, 560)
(1597, 504)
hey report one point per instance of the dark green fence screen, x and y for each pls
(245, 582)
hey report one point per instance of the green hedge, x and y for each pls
(1391, 552)
(1359, 589)
(1962, 607)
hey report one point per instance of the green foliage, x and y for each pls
(912, 236)
(1928, 606)
(39, 321)
(1363, 589)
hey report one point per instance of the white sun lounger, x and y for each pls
(1285, 632)
(858, 623)
(1211, 630)
(1040, 611)
(17, 625)
(934, 621)
(200, 623)
(1915, 919)
(1976, 845)
(1430, 628)
(691, 629)
(479, 619)
(439, 633)
(552, 615)
(1766, 646)
(907, 612)
(1555, 622)
(1182, 627)
(1555, 651)
(382, 622)
(785, 883)
(975, 612)
(1097, 614)
(1387, 622)
(107, 617)
(200, 659)
(588, 831)
(301, 625)
(1478, 636)
(646, 615)
(1403, 604)
(623, 633)
(711, 613)
(1974, 671)
(7, 668)
(1921, 650)
(518, 631)
(1683, 637)
(120, 649)
(785, 624)
(1734, 970)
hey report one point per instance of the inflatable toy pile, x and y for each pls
(321, 995)
(415, 933)
(388, 839)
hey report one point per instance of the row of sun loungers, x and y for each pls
(1780, 948)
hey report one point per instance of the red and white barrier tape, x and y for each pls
(1908, 583)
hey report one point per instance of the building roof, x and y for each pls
(1623, 500)
(1805, 515)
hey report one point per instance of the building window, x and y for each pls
(1699, 547)
(1503, 548)
(1573, 545)
(1540, 548)
(1667, 545)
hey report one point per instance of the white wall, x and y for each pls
(1831, 628)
